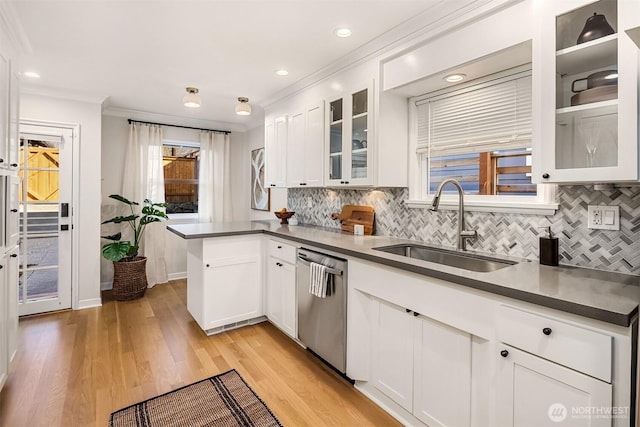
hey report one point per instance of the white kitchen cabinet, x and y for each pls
(281, 286)
(392, 353)
(536, 392)
(581, 138)
(224, 281)
(422, 365)
(11, 279)
(4, 110)
(305, 147)
(544, 363)
(275, 151)
(12, 211)
(350, 138)
(4, 343)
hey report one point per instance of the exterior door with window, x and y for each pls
(46, 226)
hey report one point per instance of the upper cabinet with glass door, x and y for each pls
(349, 136)
(588, 83)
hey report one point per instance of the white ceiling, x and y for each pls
(140, 55)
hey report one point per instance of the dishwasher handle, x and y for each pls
(329, 269)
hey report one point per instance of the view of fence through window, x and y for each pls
(505, 172)
(181, 178)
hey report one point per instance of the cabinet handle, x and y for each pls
(547, 331)
(303, 183)
(545, 175)
(407, 310)
(504, 353)
(279, 264)
(272, 185)
(14, 210)
(207, 265)
(1, 267)
(1, 160)
(279, 247)
(416, 314)
(14, 165)
(14, 255)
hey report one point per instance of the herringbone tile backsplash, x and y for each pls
(509, 234)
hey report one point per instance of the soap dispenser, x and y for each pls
(548, 248)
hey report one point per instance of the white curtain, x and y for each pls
(214, 180)
(144, 179)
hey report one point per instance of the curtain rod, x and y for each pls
(226, 132)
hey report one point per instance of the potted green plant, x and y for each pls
(129, 269)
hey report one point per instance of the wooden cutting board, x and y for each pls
(356, 214)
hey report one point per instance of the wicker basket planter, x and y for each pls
(130, 278)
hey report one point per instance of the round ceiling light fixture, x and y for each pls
(192, 99)
(455, 78)
(31, 74)
(243, 108)
(342, 32)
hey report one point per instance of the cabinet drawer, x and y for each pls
(582, 349)
(283, 251)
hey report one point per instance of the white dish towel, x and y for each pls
(319, 278)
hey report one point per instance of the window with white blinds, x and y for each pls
(490, 116)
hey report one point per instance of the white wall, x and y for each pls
(87, 219)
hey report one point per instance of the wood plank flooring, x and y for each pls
(74, 368)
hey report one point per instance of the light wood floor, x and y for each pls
(74, 368)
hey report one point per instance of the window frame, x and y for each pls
(184, 216)
(543, 203)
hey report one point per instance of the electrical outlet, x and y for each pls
(603, 217)
(309, 202)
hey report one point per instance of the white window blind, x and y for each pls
(490, 116)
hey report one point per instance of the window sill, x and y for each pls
(520, 207)
(183, 217)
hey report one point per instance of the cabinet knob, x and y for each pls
(14, 210)
(1, 160)
(504, 353)
(303, 183)
(547, 331)
(14, 165)
(14, 255)
(272, 185)
(416, 314)
(407, 310)
(279, 247)
(207, 265)
(1, 267)
(545, 175)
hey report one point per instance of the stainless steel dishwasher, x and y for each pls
(322, 322)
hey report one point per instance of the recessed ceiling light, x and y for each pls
(282, 72)
(455, 78)
(31, 74)
(343, 32)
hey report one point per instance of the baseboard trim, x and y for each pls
(89, 303)
(176, 276)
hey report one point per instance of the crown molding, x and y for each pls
(60, 94)
(170, 119)
(442, 16)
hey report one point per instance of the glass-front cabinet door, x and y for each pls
(588, 76)
(350, 135)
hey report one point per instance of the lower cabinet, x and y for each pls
(536, 392)
(434, 353)
(225, 280)
(4, 348)
(281, 287)
(423, 365)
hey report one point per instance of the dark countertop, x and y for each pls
(601, 295)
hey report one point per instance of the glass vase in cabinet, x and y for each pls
(588, 72)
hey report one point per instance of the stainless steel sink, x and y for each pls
(456, 259)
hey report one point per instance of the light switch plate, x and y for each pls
(603, 217)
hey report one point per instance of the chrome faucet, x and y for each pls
(463, 235)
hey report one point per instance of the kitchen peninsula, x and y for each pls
(570, 326)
